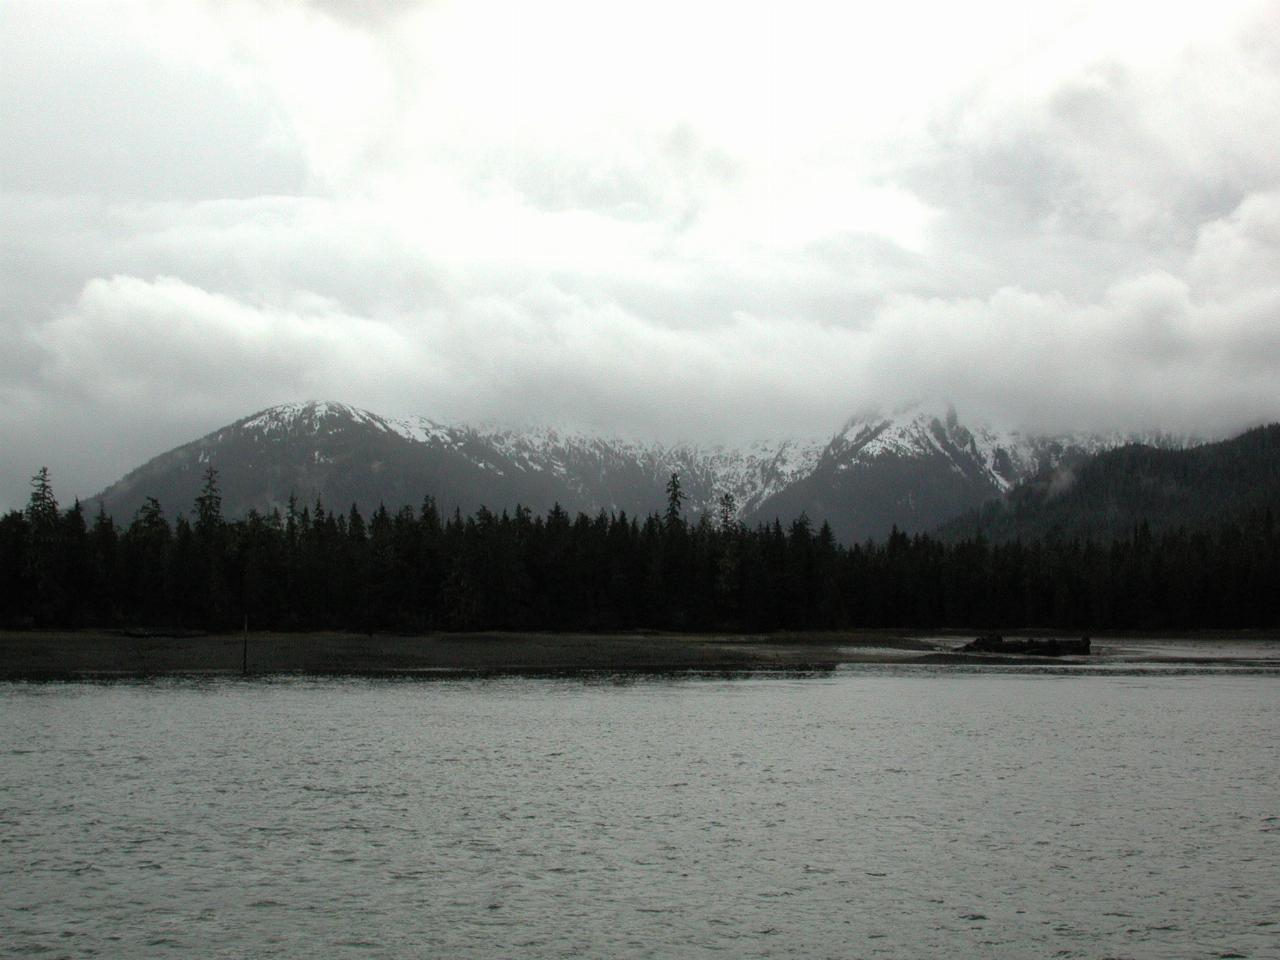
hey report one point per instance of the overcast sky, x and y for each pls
(717, 220)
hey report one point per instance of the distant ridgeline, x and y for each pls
(313, 568)
(1109, 494)
(912, 468)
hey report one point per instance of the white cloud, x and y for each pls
(705, 220)
(165, 344)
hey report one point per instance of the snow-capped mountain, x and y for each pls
(999, 457)
(341, 455)
(914, 468)
(607, 472)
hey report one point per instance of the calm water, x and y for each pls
(873, 813)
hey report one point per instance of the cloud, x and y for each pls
(675, 221)
(1148, 355)
(167, 344)
(1238, 253)
(368, 15)
(93, 104)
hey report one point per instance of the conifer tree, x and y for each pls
(728, 510)
(208, 509)
(675, 499)
(14, 594)
(42, 508)
(44, 554)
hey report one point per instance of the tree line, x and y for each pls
(310, 567)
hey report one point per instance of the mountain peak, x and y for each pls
(909, 430)
(914, 466)
(901, 415)
(301, 413)
(319, 416)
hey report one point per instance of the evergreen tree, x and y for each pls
(105, 559)
(411, 571)
(208, 508)
(208, 577)
(42, 508)
(145, 546)
(675, 499)
(44, 553)
(75, 566)
(15, 596)
(728, 511)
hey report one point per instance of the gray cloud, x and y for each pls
(213, 209)
(364, 14)
(86, 112)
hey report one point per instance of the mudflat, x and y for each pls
(36, 654)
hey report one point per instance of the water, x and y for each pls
(878, 812)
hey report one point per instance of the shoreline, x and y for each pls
(117, 655)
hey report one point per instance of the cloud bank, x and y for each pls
(720, 223)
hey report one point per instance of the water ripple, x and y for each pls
(877, 812)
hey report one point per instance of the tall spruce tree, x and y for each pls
(44, 553)
(675, 500)
(728, 507)
(207, 576)
(42, 508)
(208, 508)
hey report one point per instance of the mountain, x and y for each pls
(914, 468)
(612, 474)
(343, 455)
(1110, 493)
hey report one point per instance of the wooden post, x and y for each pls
(244, 653)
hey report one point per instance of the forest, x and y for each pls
(414, 570)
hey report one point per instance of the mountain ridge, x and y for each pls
(912, 468)
(1106, 496)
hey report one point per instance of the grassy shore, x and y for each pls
(35, 654)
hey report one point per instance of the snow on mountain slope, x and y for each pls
(595, 466)
(914, 466)
(582, 471)
(751, 473)
(914, 431)
(317, 416)
(604, 471)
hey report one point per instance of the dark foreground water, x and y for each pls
(887, 812)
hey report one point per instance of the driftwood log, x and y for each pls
(1048, 647)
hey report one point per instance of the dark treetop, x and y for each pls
(316, 568)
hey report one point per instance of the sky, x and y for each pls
(696, 221)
